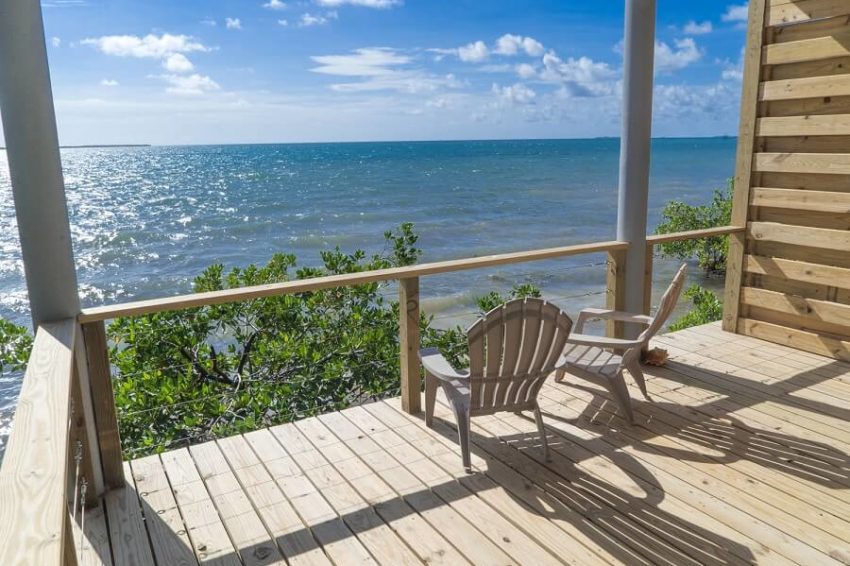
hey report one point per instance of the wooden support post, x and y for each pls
(647, 279)
(69, 548)
(616, 290)
(103, 401)
(744, 162)
(411, 380)
(84, 431)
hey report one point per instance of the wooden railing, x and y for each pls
(66, 399)
(51, 448)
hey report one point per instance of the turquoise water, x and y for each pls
(145, 221)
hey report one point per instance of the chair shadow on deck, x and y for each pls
(616, 518)
(624, 508)
(632, 526)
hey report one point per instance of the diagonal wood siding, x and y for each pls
(789, 273)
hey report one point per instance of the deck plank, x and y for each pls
(250, 537)
(339, 542)
(127, 534)
(292, 536)
(164, 523)
(210, 541)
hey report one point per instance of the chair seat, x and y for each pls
(592, 359)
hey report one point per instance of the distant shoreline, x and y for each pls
(99, 145)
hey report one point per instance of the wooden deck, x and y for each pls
(742, 458)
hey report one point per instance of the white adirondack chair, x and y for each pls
(602, 360)
(512, 350)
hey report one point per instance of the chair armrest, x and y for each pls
(602, 341)
(608, 314)
(436, 365)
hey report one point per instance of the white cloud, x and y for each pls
(232, 23)
(189, 84)
(377, 4)
(668, 59)
(473, 52)
(55, 41)
(309, 20)
(694, 28)
(736, 13)
(510, 44)
(365, 62)
(275, 5)
(177, 63)
(283, 23)
(526, 71)
(515, 94)
(209, 22)
(149, 46)
(733, 71)
(580, 77)
(108, 82)
(408, 82)
(382, 69)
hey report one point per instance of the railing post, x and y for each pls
(647, 278)
(408, 309)
(83, 429)
(103, 401)
(616, 290)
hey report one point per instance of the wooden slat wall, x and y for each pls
(790, 271)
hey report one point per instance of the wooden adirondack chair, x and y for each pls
(512, 350)
(602, 360)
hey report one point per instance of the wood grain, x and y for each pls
(744, 161)
(33, 480)
(100, 382)
(782, 12)
(411, 378)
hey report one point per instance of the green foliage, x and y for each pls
(678, 217)
(186, 376)
(707, 308)
(15, 346)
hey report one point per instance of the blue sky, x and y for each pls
(191, 71)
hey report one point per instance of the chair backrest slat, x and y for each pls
(511, 349)
(667, 304)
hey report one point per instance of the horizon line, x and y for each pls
(142, 144)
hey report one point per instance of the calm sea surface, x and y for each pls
(145, 221)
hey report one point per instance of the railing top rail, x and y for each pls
(138, 308)
(316, 283)
(33, 479)
(693, 234)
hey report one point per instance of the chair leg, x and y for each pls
(431, 385)
(559, 375)
(539, 418)
(462, 415)
(617, 387)
(637, 374)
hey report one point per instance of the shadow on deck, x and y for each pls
(741, 458)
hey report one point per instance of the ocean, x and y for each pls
(146, 220)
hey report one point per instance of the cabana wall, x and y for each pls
(789, 272)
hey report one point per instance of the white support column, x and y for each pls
(32, 146)
(636, 136)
